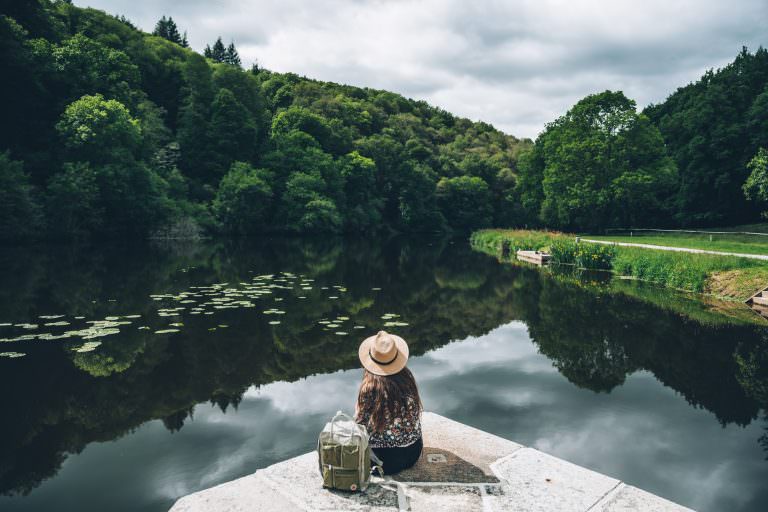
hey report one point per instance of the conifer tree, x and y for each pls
(167, 29)
(218, 52)
(232, 57)
(184, 42)
(161, 28)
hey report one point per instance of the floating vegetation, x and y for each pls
(389, 316)
(258, 291)
(376, 289)
(88, 346)
(12, 355)
(395, 324)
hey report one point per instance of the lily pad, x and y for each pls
(166, 331)
(88, 346)
(12, 355)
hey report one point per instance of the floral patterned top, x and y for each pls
(403, 430)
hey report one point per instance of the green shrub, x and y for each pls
(685, 271)
(583, 255)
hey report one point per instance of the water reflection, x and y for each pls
(601, 340)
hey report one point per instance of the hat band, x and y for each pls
(382, 362)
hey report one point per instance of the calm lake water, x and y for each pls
(150, 372)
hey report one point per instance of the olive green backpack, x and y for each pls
(344, 455)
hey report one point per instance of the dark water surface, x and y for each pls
(668, 397)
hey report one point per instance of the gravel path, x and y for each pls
(677, 249)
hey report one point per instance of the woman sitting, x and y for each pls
(388, 403)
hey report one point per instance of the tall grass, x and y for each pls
(583, 255)
(491, 240)
(685, 271)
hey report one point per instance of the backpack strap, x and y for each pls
(374, 458)
(377, 465)
(337, 416)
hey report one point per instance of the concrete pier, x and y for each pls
(461, 469)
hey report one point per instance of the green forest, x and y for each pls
(109, 131)
(113, 132)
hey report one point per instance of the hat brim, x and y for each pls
(383, 369)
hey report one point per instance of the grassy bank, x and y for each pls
(723, 276)
(739, 243)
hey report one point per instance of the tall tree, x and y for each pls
(217, 53)
(244, 200)
(232, 131)
(167, 29)
(19, 211)
(99, 130)
(600, 165)
(712, 128)
(232, 57)
(465, 202)
(756, 186)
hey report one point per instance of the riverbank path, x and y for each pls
(763, 257)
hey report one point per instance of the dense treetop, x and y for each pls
(600, 164)
(110, 130)
(683, 162)
(713, 128)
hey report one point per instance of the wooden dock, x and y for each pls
(759, 302)
(535, 257)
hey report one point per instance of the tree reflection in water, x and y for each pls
(595, 335)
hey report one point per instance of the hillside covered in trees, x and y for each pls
(110, 131)
(692, 160)
(107, 131)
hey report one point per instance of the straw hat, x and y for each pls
(384, 353)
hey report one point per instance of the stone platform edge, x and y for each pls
(503, 476)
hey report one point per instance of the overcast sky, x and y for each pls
(516, 64)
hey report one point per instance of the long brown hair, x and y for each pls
(381, 397)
